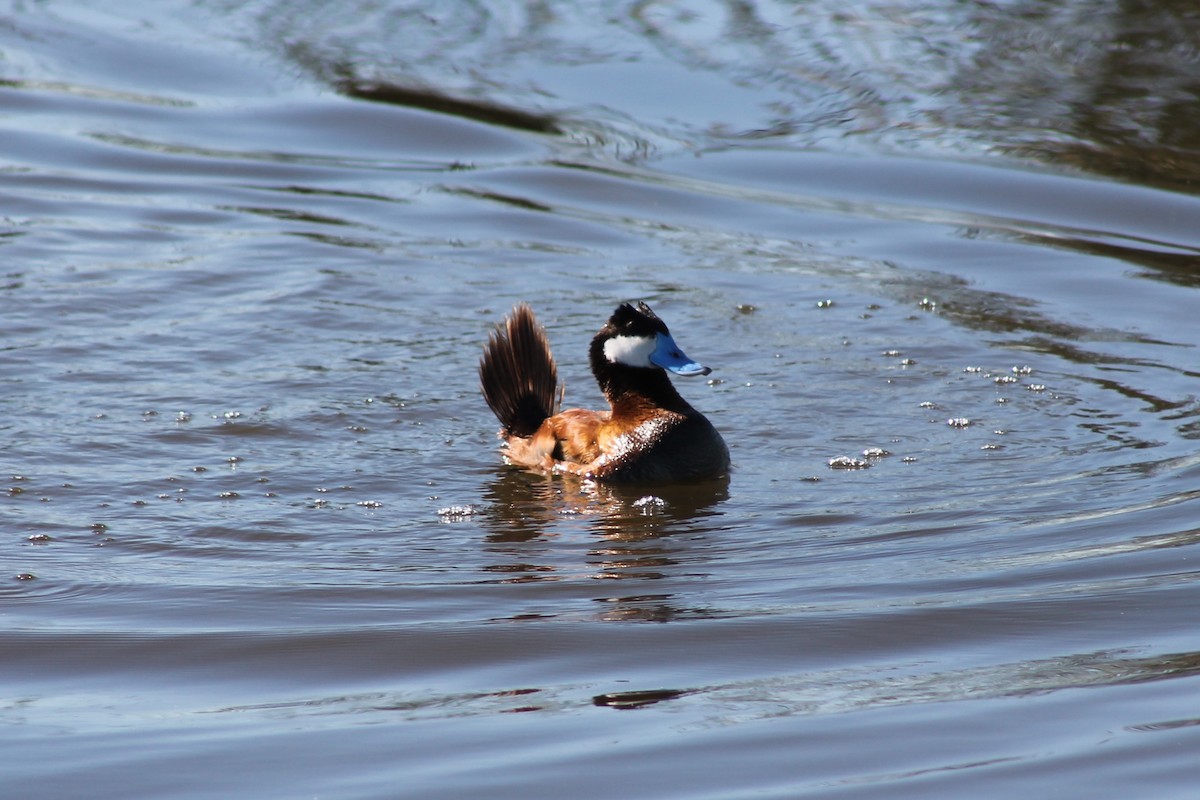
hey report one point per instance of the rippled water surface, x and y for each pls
(257, 538)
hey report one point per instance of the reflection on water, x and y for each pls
(629, 536)
(1107, 86)
(524, 505)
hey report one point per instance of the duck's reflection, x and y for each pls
(632, 533)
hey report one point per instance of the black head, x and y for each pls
(635, 337)
(629, 320)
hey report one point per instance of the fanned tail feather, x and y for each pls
(517, 373)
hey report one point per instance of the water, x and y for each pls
(257, 540)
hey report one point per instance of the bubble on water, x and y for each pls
(848, 462)
(875, 452)
(891, 353)
(746, 308)
(929, 404)
(908, 460)
(991, 446)
(825, 304)
(927, 304)
(907, 362)
(183, 416)
(958, 422)
(972, 369)
(1005, 379)
(649, 504)
(39, 538)
(1022, 370)
(229, 495)
(455, 513)
(1036, 387)
(371, 504)
(25, 576)
(232, 415)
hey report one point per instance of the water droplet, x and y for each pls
(451, 513)
(649, 504)
(847, 462)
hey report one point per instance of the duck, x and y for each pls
(650, 434)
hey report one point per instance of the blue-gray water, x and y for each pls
(257, 541)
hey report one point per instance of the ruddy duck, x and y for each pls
(651, 434)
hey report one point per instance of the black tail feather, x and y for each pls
(517, 373)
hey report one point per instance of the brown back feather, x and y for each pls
(517, 373)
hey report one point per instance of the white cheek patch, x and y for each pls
(632, 351)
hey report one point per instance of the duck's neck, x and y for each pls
(630, 389)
